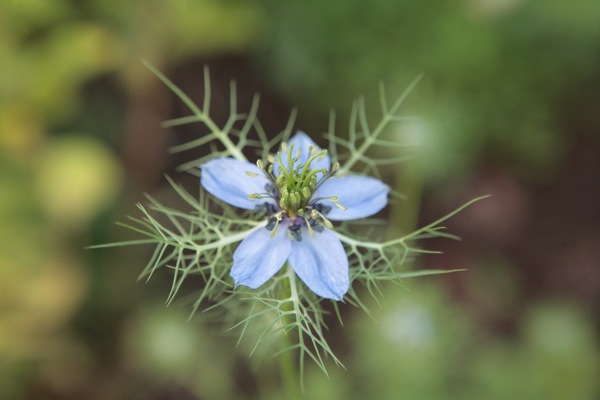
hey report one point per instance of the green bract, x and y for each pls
(215, 237)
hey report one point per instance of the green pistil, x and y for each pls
(307, 169)
(296, 184)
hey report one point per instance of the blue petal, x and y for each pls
(260, 256)
(301, 150)
(361, 195)
(226, 179)
(321, 263)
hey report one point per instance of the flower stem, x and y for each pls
(289, 375)
(287, 362)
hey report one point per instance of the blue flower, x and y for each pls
(301, 194)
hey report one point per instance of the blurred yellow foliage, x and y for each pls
(21, 132)
(50, 189)
(54, 184)
(36, 303)
(76, 177)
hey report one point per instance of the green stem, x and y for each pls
(289, 373)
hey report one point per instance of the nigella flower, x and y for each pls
(301, 194)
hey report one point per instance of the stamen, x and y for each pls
(279, 180)
(278, 217)
(341, 207)
(295, 197)
(311, 232)
(306, 192)
(261, 166)
(274, 231)
(333, 199)
(258, 196)
(316, 214)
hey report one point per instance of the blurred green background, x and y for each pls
(509, 106)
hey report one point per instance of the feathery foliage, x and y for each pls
(201, 241)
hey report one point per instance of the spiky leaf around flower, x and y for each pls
(213, 239)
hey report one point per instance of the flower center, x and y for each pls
(293, 190)
(296, 182)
